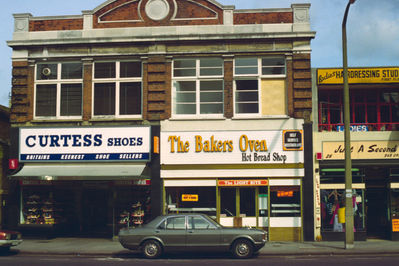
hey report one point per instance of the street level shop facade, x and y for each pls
(374, 150)
(139, 63)
(241, 174)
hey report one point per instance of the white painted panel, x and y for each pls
(227, 221)
(190, 183)
(285, 221)
(249, 221)
(263, 221)
(285, 182)
(236, 173)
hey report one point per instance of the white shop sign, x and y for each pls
(227, 147)
(84, 144)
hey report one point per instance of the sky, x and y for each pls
(372, 29)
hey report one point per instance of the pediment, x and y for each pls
(140, 13)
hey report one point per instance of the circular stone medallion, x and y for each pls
(157, 9)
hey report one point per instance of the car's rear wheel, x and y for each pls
(242, 249)
(151, 249)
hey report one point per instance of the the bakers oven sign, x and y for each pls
(232, 147)
(84, 144)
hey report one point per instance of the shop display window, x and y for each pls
(285, 201)
(333, 210)
(395, 203)
(40, 208)
(132, 206)
(191, 199)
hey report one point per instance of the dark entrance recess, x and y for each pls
(377, 204)
(95, 212)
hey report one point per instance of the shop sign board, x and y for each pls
(232, 147)
(243, 183)
(84, 144)
(373, 75)
(395, 225)
(189, 197)
(362, 150)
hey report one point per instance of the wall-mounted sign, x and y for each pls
(189, 197)
(354, 128)
(84, 144)
(395, 225)
(362, 150)
(358, 75)
(292, 140)
(243, 183)
(230, 147)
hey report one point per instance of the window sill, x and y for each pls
(260, 117)
(191, 118)
(56, 120)
(101, 119)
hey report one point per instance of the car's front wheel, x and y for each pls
(242, 249)
(151, 249)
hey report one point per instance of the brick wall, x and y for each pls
(228, 88)
(157, 88)
(21, 96)
(302, 84)
(263, 18)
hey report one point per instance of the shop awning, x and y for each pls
(88, 171)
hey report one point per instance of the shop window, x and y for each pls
(191, 199)
(333, 210)
(370, 110)
(117, 89)
(247, 202)
(198, 87)
(254, 91)
(337, 175)
(285, 202)
(395, 204)
(58, 91)
(228, 202)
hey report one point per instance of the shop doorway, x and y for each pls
(95, 213)
(377, 204)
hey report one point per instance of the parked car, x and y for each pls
(191, 232)
(9, 239)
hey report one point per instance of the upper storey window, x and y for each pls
(117, 89)
(259, 87)
(58, 90)
(198, 87)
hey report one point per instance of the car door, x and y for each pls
(172, 232)
(201, 234)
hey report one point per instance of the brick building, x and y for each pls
(90, 93)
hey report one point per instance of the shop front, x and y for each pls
(87, 181)
(240, 178)
(374, 189)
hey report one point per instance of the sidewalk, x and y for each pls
(108, 247)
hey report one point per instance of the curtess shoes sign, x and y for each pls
(84, 144)
(232, 147)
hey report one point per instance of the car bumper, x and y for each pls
(259, 245)
(10, 243)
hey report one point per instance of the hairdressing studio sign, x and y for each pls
(232, 147)
(84, 144)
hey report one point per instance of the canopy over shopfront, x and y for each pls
(87, 171)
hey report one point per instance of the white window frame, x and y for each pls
(117, 80)
(255, 76)
(58, 82)
(197, 79)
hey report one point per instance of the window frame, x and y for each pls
(259, 76)
(58, 82)
(117, 81)
(197, 79)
